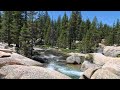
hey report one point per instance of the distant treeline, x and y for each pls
(29, 28)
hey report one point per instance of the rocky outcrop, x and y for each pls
(89, 72)
(29, 72)
(100, 59)
(107, 67)
(18, 60)
(3, 54)
(16, 66)
(96, 58)
(100, 73)
(74, 59)
(7, 69)
(6, 50)
(86, 64)
(111, 51)
(113, 66)
(104, 74)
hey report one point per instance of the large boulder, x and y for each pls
(86, 64)
(74, 59)
(30, 72)
(113, 65)
(112, 51)
(90, 71)
(7, 69)
(104, 74)
(100, 59)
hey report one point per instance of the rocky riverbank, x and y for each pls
(16, 66)
(104, 65)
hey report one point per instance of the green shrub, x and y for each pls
(118, 55)
(82, 59)
(89, 57)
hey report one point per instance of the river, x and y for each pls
(70, 70)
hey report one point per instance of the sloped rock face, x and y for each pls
(19, 67)
(6, 50)
(86, 64)
(107, 68)
(113, 66)
(17, 61)
(25, 61)
(7, 69)
(111, 51)
(100, 59)
(29, 72)
(90, 71)
(16, 66)
(3, 54)
(104, 74)
(7, 57)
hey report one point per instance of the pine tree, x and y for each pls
(91, 37)
(74, 29)
(95, 33)
(101, 31)
(25, 36)
(40, 24)
(7, 26)
(0, 26)
(116, 32)
(31, 17)
(107, 31)
(87, 44)
(109, 34)
(63, 38)
(59, 29)
(47, 31)
(78, 25)
(83, 30)
(56, 32)
(73, 25)
(17, 25)
(88, 24)
(25, 41)
(52, 34)
(113, 34)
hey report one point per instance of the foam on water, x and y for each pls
(49, 56)
(70, 72)
(64, 69)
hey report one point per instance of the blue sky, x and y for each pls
(107, 17)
